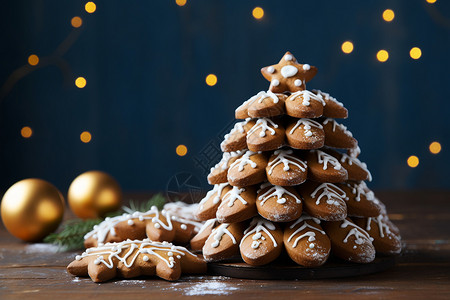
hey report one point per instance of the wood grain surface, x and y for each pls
(422, 272)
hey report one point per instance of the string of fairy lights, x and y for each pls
(347, 47)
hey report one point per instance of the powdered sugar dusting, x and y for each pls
(209, 287)
(41, 248)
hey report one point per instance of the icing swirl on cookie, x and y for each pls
(353, 160)
(361, 236)
(310, 234)
(325, 159)
(327, 97)
(307, 125)
(307, 97)
(217, 191)
(256, 226)
(218, 233)
(382, 226)
(275, 191)
(243, 161)
(128, 251)
(335, 124)
(264, 124)
(284, 157)
(232, 195)
(330, 191)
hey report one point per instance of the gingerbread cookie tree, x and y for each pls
(290, 178)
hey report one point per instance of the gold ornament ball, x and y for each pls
(94, 194)
(31, 209)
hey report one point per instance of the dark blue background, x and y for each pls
(146, 61)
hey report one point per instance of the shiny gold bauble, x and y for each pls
(31, 209)
(94, 194)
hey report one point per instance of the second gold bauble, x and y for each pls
(31, 209)
(94, 194)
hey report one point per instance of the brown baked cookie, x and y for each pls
(337, 135)
(354, 152)
(304, 104)
(223, 242)
(285, 168)
(306, 243)
(349, 241)
(323, 167)
(267, 104)
(332, 108)
(154, 224)
(324, 201)
(356, 169)
(238, 204)
(218, 173)
(130, 259)
(262, 242)
(249, 169)
(305, 134)
(265, 135)
(198, 241)
(288, 74)
(236, 139)
(208, 206)
(278, 204)
(385, 240)
(360, 200)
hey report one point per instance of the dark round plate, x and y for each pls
(287, 270)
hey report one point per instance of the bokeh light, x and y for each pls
(415, 53)
(80, 82)
(431, 1)
(85, 137)
(26, 132)
(347, 47)
(258, 12)
(435, 147)
(180, 2)
(76, 22)
(181, 150)
(413, 161)
(90, 7)
(33, 60)
(382, 55)
(388, 15)
(211, 80)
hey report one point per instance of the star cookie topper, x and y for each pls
(288, 74)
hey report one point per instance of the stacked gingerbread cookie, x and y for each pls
(290, 179)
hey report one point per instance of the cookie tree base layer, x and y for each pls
(286, 271)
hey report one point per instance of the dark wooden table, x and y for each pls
(423, 272)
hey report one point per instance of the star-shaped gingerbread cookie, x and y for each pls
(288, 75)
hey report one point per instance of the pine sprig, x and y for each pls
(71, 235)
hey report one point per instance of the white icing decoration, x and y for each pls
(232, 195)
(210, 223)
(382, 226)
(243, 161)
(297, 82)
(256, 226)
(306, 67)
(310, 234)
(354, 152)
(307, 125)
(288, 57)
(183, 226)
(330, 191)
(327, 97)
(275, 82)
(288, 71)
(217, 191)
(263, 124)
(284, 157)
(130, 222)
(275, 191)
(335, 124)
(353, 160)
(218, 233)
(325, 159)
(307, 97)
(132, 250)
(361, 189)
(271, 69)
(360, 234)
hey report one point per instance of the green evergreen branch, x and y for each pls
(71, 235)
